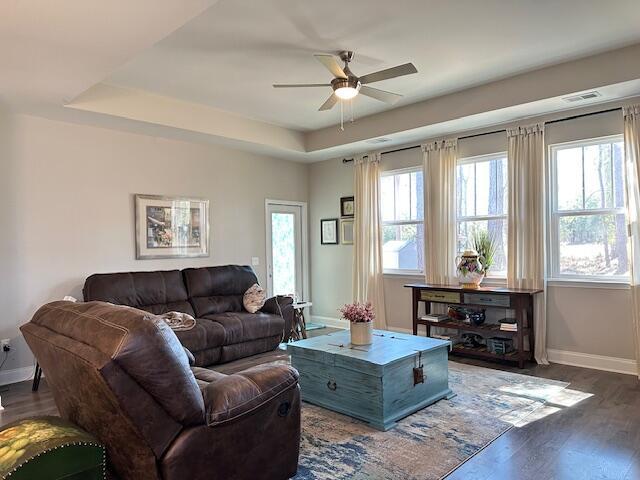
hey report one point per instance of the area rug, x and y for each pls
(430, 443)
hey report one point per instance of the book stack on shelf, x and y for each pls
(435, 317)
(508, 325)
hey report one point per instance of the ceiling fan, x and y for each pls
(346, 85)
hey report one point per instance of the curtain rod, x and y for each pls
(502, 130)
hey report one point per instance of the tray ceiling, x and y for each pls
(229, 56)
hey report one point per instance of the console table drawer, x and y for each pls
(488, 299)
(440, 296)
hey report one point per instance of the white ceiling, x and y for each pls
(52, 51)
(228, 57)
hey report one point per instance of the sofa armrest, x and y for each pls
(283, 306)
(236, 395)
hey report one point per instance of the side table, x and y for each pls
(299, 327)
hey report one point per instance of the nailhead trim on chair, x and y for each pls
(70, 444)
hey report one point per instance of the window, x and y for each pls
(481, 205)
(588, 227)
(402, 205)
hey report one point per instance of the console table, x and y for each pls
(518, 300)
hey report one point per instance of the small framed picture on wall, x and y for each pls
(347, 207)
(346, 232)
(329, 231)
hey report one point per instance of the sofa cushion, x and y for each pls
(232, 396)
(241, 327)
(206, 334)
(218, 289)
(228, 353)
(156, 292)
(210, 356)
(205, 376)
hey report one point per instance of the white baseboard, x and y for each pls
(16, 375)
(596, 362)
(575, 359)
(341, 323)
(330, 321)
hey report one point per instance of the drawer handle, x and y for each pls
(331, 385)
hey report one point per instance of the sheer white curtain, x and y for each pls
(368, 284)
(440, 211)
(631, 116)
(526, 244)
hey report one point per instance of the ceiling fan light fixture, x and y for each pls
(347, 85)
(345, 88)
(346, 93)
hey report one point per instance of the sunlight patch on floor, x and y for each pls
(555, 398)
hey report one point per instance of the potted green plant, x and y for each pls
(485, 244)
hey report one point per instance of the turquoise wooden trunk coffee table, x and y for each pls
(381, 383)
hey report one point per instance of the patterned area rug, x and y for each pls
(430, 443)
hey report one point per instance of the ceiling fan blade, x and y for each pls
(331, 101)
(393, 72)
(332, 64)
(301, 85)
(381, 95)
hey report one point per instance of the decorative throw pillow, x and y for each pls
(254, 298)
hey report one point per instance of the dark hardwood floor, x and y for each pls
(597, 438)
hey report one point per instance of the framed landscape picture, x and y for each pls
(171, 227)
(329, 231)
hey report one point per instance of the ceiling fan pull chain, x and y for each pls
(341, 116)
(351, 107)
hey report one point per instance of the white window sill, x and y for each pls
(411, 274)
(588, 283)
(552, 282)
(494, 282)
(488, 281)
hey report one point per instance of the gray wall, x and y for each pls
(66, 193)
(66, 211)
(330, 265)
(575, 312)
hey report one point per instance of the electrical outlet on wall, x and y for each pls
(255, 261)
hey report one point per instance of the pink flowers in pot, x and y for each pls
(358, 312)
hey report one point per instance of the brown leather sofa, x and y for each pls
(121, 374)
(224, 330)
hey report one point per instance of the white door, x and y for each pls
(286, 249)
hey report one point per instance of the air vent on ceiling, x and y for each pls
(378, 140)
(582, 96)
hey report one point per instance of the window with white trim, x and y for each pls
(588, 225)
(402, 211)
(481, 206)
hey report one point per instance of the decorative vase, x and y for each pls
(361, 333)
(469, 269)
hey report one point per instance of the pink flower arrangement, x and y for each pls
(358, 312)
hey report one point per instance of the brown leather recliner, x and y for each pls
(121, 374)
